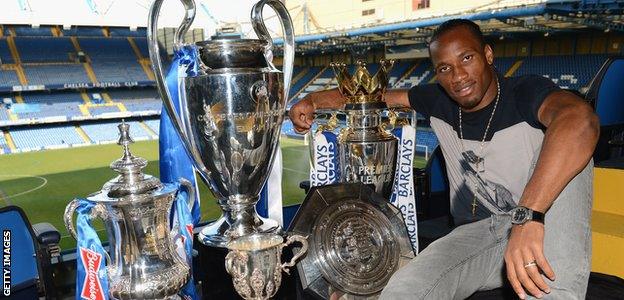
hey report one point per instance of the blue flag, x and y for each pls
(183, 230)
(91, 275)
(174, 161)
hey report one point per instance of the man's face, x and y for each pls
(462, 66)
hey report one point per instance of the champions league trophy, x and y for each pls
(143, 262)
(367, 152)
(231, 112)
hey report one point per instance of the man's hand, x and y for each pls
(302, 115)
(525, 260)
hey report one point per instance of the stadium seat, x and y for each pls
(605, 93)
(31, 251)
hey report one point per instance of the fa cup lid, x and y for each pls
(131, 181)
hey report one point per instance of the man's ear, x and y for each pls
(489, 54)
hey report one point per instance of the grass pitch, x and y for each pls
(42, 183)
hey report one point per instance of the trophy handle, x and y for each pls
(68, 216)
(154, 53)
(236, 257)
(70, 209)
(302, 251)
(289, 37)
(189, 16)
(190, 190)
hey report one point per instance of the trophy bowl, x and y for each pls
(232, 101)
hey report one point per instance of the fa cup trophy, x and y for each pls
(231, 111)
(367, 152)
(143, 262)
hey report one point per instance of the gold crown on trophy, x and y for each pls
(362, 87)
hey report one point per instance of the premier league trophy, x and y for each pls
(143, 263)
(367, 152)
(231, 111)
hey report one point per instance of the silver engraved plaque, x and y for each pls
(357, 240)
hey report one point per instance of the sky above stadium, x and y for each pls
(210, 13)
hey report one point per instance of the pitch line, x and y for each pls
(43, 183)
(296, 171)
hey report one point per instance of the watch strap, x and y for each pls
(537, 216)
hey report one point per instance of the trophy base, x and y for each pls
(218, 233)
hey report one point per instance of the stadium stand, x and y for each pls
(137, 99)
(108, 132)
(154, 125)
(42, 105)
(37, 49)
(5, 52)
(32, 31)
(571, 72)
(8, 79)
(83, 31)
(31, 139)
(125, 32)
(421, 74)
(110, 49)
(56, 75)
(4, 146)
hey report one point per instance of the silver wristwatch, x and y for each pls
(521, 215)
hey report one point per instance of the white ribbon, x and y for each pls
(403, 194)
(324, 169)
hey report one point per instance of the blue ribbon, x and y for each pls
(91, 275)
(185, 229)
(174, 161)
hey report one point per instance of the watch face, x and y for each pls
(519, 215)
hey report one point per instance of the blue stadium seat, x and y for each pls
(108, 132)
(31, 31)
(4, 146)
(35, 50)
(128, 71)
(41, 105)
(83, 31)
(56, 75)
(137, 100)
(141, 43)
(126, 32)
(422, 74)
(571, 72)
(153, 124)
(605, 93)
(5, 53)
(8, 79)
(31, 275)
(503, 64)
(107, 50)
(32, 139)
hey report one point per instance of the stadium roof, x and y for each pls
(547, 18)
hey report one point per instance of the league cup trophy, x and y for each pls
(143, 262)
(230, 117)
(255, 263)
(367, 152)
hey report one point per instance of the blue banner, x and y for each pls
(183, 227)
(91, 276)
(174, 161)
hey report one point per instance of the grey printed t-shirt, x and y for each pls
(513, 140)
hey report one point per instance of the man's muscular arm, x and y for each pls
(302, 113)
(571, 135)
